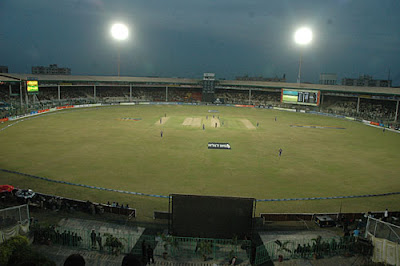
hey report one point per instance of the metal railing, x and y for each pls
(304, 248)
(166, 246)
(382, 229)
(14, 215)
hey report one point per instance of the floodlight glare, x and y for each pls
(303, 36)
(119, 31)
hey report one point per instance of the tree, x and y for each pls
(169, 242)
(205, 248)
(26, 254)
(114, 243)
(8, 247)
(16, 251)
(282, 247)
(317, 247)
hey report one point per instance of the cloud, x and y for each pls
(180, 37)
(33, 53)
(88, 5)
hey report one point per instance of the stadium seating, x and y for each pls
(369, 109)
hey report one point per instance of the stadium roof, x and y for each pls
(237, 84)
(7, 79)
(331, 88)
(70, 78)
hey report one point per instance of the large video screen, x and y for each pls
(211, 216)
(304, 97)
(32, 86)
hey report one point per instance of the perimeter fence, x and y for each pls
(381, 229)
(311, 248)
(385, 237)
(163, 246)
(14, 221)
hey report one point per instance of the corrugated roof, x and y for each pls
(7, 79)
(335, 88)
(72, 78)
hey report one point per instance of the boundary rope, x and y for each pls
(166, 197)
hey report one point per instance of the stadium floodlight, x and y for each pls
(303, 36)
(119, 32)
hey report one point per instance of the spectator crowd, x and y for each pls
(369, 109)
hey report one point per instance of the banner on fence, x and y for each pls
(244, 105)
(385, 251)
(284, 109)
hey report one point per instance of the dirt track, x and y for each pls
(163, 121)
(213, 121)
(247, 123)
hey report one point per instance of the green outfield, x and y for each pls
(106, 147)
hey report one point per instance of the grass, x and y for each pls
(91, 146)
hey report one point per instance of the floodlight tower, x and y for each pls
(303, 36)
(120, 33)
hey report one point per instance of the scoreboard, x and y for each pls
(209, 83)
(303, 97)
(32, 86)
(208, 91)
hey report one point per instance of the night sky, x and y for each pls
(185, 38)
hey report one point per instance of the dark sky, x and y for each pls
(184, 38)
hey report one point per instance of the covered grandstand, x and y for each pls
(378, 104)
